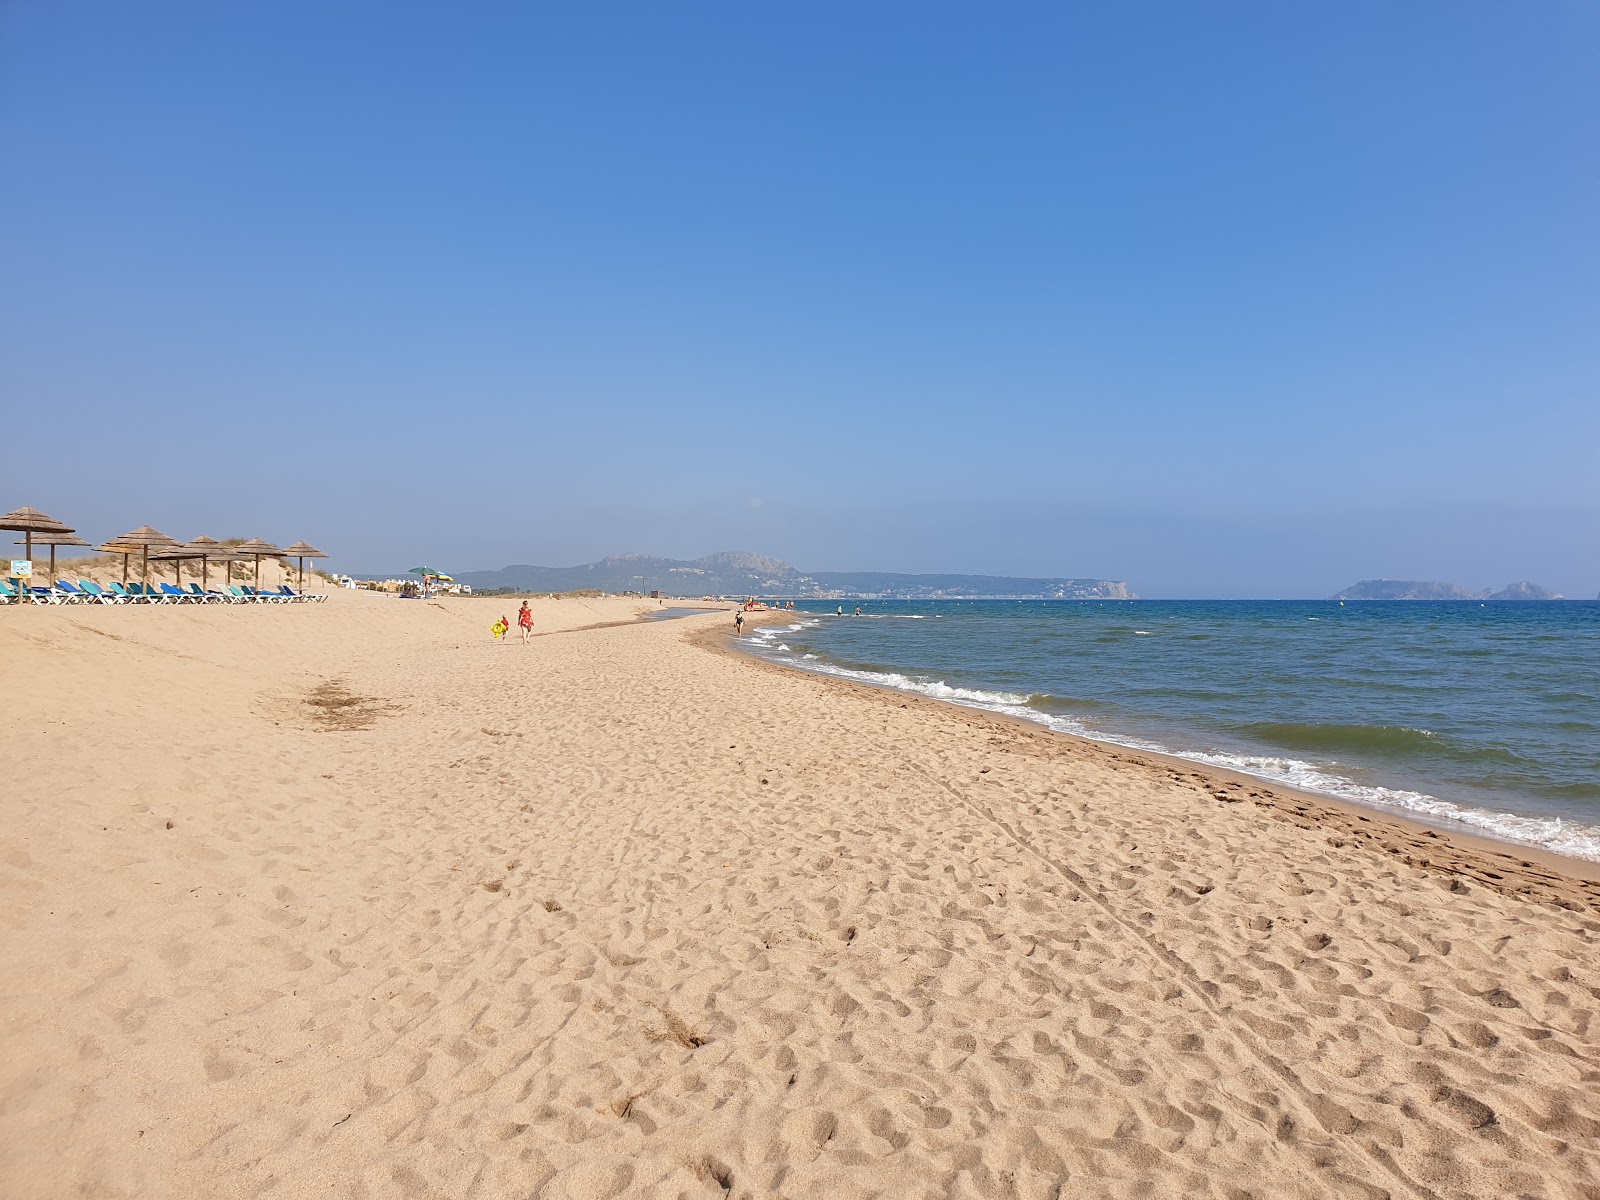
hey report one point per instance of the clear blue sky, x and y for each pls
(1221, 299)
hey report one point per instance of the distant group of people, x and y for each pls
(751, 604)
(524, 619)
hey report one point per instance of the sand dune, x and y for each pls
(345, 901)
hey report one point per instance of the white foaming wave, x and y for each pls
(938, 689)
(1143, 633)
(1572, 838)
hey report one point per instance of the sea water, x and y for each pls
(1485, 716)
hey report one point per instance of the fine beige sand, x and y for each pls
(344, 900)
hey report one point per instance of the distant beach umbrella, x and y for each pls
(303, 551)
(139, 541)
(116, 547)
(202, 548)
(52, 540)
(210, 548)
(258, 549)
(31, 524)
(429, 573)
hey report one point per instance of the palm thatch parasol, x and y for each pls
(303, 551)
(114, 546)
(209, 548)
(30, 523)
(258, 549)
(139, 541)
(204, 548)
(52, 540)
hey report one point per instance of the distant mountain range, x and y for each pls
(735, 573)
(1419, 589)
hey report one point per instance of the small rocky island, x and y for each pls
(1423, 589)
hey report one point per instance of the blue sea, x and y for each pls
(1480, 716)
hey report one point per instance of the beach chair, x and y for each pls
(8, 594)
(35, 593)
(149, 594)
(75, 594)
(18, 592)
(92, 589)
(205, 597)
(289, 593)
(264, 597)
(175, 594)
(79, 593)
(122, 589)
(240, 595)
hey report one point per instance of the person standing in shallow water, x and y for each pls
(525, 619)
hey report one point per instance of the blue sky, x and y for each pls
(1221, 299)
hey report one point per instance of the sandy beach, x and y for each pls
(345, 900)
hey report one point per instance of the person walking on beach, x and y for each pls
(499, 628)
(738, 623)
(525, 619)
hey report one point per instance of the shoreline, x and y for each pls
(1390, 829)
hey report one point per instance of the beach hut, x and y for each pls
(33, 525)
(138, 541)
(52, 540)
(257, 549)
(303, 551)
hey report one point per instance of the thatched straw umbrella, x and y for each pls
(114, 546)
(258, 549)
(202, 547)
(53, 540)
(303, 551)
(208, 548)
(141, 540)
(31, 523)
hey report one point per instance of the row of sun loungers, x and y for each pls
(85, 591)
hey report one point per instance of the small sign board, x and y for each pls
(22, 568)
